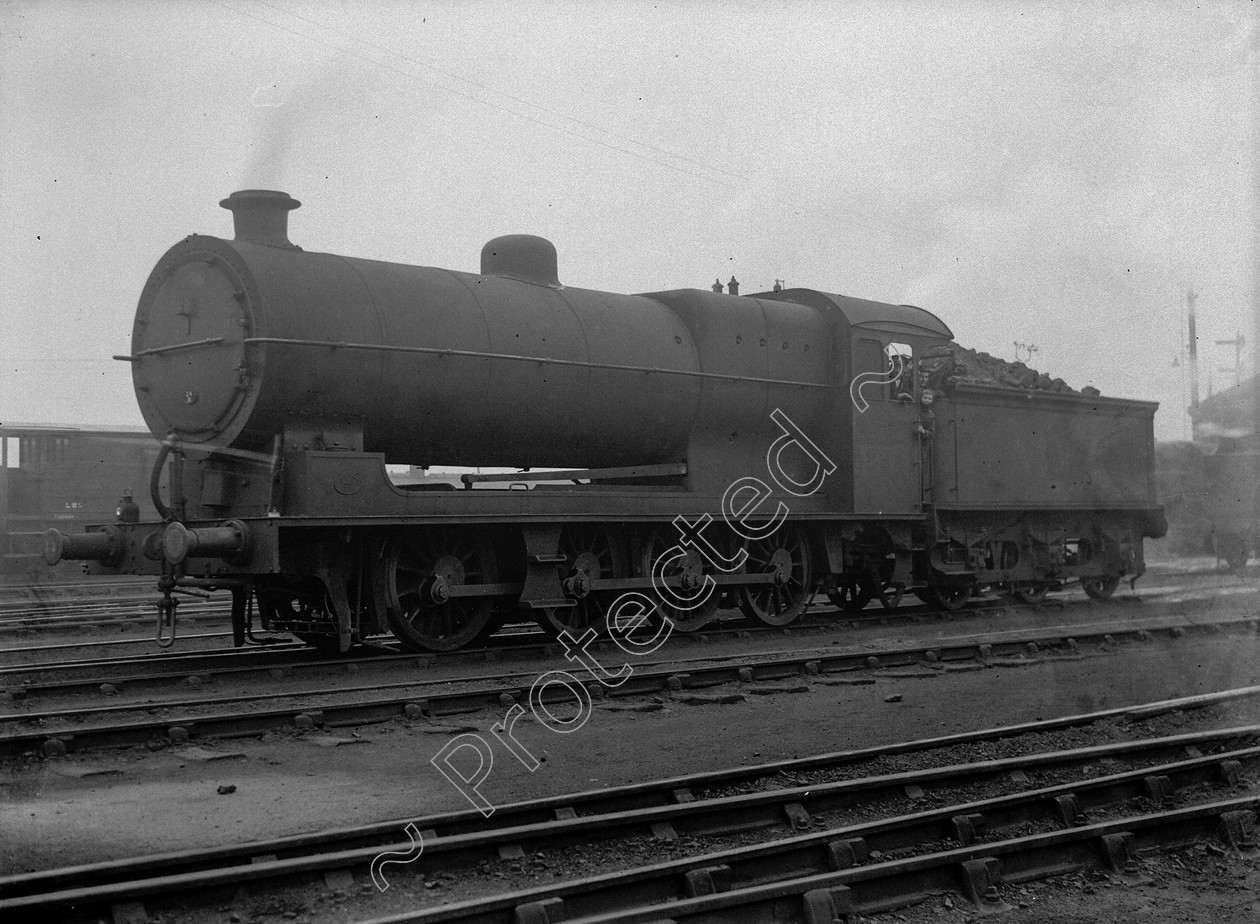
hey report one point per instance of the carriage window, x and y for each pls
(12, 454)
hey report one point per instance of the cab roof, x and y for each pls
(864, 314)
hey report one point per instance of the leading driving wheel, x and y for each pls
(427, 576)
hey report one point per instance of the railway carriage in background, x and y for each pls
(65, 476)
(282, 382)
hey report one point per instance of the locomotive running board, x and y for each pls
(666, 470)
(635, 583)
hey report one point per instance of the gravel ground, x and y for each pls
(462, 881)
(1197, 884)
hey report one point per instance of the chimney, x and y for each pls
(717, 285)
(733, 286)
(778, 285)
(261, 216)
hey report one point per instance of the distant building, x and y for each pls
(1229, 413)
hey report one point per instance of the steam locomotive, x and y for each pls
(281, 382)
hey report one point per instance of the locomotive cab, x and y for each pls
(879, 413)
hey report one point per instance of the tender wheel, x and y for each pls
(853, 596)
(949, 597)
(421, 569)
(691, 567)
(850, 597)
(890, 596)
(1031, 593)
(591, 552)
(786, 556)
(1100, 588)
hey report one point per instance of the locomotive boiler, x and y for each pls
(282, 382)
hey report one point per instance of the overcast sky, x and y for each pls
(1050, 173)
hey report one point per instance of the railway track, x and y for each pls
(139, 610)
(978, 872)
(515, 641)
(18, 654)
(1038, 813)
(169, 669)
(520, 642)
(155, 670)
(110, 613)
(63, 729)
(820, 616)
(14, 588)
(113, 612)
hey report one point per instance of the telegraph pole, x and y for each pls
(1191, 297)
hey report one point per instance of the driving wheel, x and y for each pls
(425, 572)
(785, 557)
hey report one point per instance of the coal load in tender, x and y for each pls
(950, 364)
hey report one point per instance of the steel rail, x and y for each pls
(68, 623)
(913, 613)
(817, 620)
(67, 608)
(765, 665)
(36, 594)
(156, 655)
(528, 641)
(698, 674)
(59, 646)
(24, 680)
(531, 643)
(283, 857)
(91, 606)
(661, 887)
(137, 593)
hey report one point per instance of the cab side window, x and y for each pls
(901, 368)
